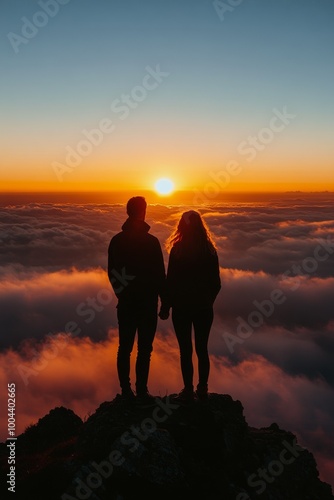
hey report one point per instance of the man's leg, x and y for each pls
(147, 325)
(127, 326)
(183, 327)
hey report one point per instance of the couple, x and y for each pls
(136, 272)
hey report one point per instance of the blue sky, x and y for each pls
(225, 75)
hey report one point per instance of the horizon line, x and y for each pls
(177, 191)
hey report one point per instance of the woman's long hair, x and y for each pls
(191, 236)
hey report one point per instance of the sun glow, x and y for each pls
(164, 186)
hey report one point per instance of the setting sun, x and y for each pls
(164, 186)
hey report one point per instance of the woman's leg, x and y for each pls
(183, 326)
(202, 320)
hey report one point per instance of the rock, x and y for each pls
(164, 450)
(57, 426)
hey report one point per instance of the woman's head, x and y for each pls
(190, 223)
(191, 234)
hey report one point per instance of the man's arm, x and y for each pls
(160, 271)
(111, 263)
(166, 299)
(113, 268)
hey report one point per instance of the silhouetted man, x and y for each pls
(136, 272)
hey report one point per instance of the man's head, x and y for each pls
(136, 207)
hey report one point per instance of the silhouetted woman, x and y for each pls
(193, 283)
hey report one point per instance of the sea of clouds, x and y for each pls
(272, 341)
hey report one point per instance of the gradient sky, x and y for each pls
(225, 78)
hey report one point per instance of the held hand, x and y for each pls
(164, 314)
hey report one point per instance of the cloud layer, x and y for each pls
(272, 342)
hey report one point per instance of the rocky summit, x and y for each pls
(161, 449)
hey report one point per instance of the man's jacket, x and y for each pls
(136, 267)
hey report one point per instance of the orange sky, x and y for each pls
(277, 168)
